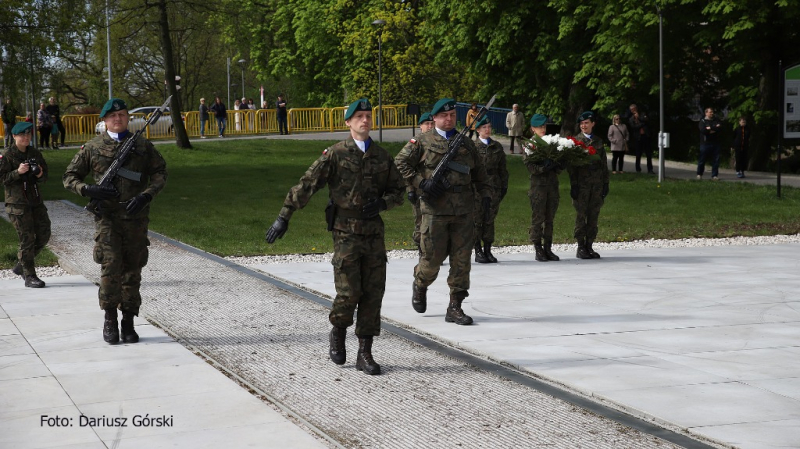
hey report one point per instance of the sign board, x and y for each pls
(791, 103)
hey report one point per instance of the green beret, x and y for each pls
(362, 104)
(538, 120)
(112, 105)
(425, 117)
(483, 121)
(443, 105)
(22, 128)
(587, 115)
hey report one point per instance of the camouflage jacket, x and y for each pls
(96, 156)
(419, 158)
(353, 178)
(494, 159)
(540, 177)
(594, 173)
(21, 189)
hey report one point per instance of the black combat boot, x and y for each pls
(337, 351)
(454, 312)
(591, 251)
(480, 257)
(541, 256)
(549, 252)
(110, 328)
(364, 361)
(17, 269)
(582, 252)
(419, 298)
(33, 282)
(129, 334)
(487, 251)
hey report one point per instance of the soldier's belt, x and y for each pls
(129, 174)
(455, 166)
(348, 213)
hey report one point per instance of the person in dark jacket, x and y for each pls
(221, 114)
(640, 137)
(709, 127)
(203, 112)
(55, 114)
(741, 142)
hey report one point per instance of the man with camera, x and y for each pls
(22, 167)
(362, 182)
(121, 226)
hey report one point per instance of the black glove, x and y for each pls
(135, 205)
(486, 204)
(432, 188)
(503, 191)
(605, 191)
(549, 165)
(99, 193)
(373, 208)
(412, 197)
(277, 229)
(573, 192)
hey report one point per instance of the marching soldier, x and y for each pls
(588, 189)
(494, 159)
(447, 228)
(121, 228)
(544, 197)
(425, 124)
(22, 167)
(363, 181)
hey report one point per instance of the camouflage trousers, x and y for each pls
(33, 228)
(445, 236)
(417, 221)
(544, 204)
(587, 211)
(484, 231)
(359, 273)
(121, 250)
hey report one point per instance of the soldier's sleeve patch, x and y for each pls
(325, 151)
(413, 140)
(83, 146)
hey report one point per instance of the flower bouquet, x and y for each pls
(548, 147)
(579, 153)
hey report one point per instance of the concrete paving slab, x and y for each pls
(703, 338)
(24, 366)
(766, 434)
(24, 429)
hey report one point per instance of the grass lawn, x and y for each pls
(222, 196)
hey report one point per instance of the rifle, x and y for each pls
(445, 165)
(123, 153)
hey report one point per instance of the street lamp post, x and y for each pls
(380, 23)
(241, 64)
(661, 134)
(108, 49)
(229, 84)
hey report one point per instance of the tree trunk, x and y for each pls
(181, 137)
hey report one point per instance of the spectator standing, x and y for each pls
(220, 114)
(741, 142)
(44, 123)
(709, 127)
(470, 121)
(618, 136)
(640, 136)
(280, 105)
(9, 114)
(237, 105)
(515, 122)
(203, 113)
(55, 113)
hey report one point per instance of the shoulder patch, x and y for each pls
(325, 151)
(83, 146)
(413, 140)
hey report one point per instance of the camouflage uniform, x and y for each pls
(447, 227)
(589, 180)
(24, 205)
(414, 206)
(120, 238)
(494, 159)
(544, 198)
(359, 258)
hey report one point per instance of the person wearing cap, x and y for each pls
(588, 188)
(425, 124)
(22, 168)
(121, 227)
(543, 195)
(9, 116)
(447, 228)
(493, 157)
(362, 182)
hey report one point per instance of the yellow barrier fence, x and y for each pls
(80, 128)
